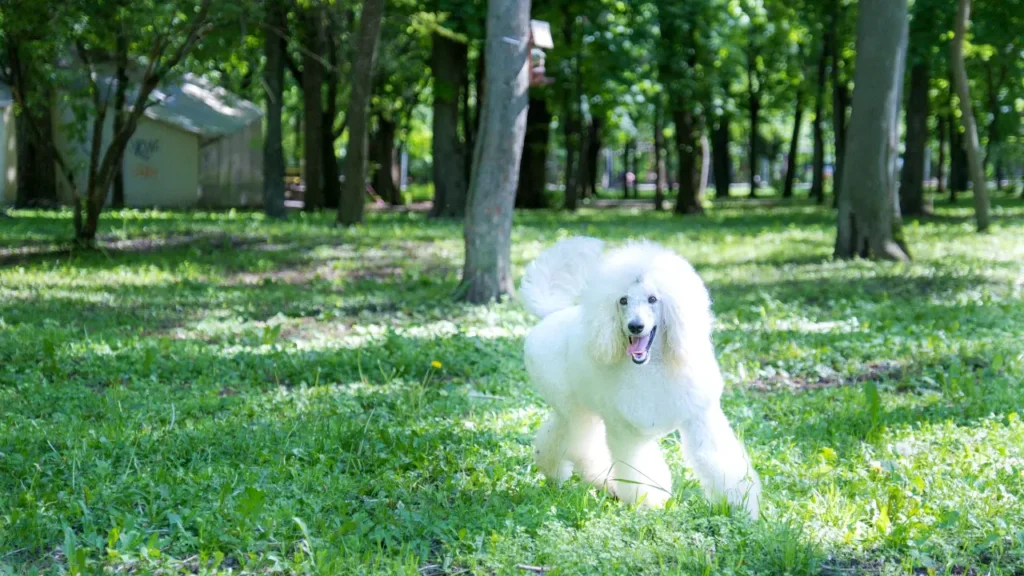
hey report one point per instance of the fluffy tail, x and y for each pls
(556, 278)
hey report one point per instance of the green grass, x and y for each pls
(216, 393)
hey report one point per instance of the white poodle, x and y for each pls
(623, 355)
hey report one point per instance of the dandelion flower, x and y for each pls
(435, 364)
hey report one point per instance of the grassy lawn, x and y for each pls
(215, 394)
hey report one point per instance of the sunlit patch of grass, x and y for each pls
(220, 393)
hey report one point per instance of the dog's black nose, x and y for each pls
(636, 327)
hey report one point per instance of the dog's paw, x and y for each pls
(558, 473)
(649, 497)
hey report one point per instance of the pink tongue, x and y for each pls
(638, 345)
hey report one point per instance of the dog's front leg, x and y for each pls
(720, 462)
(639, 472)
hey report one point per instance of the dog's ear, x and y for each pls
(686, 310)
(604, 329)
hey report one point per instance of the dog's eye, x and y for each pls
(652, 299)
(622, 301)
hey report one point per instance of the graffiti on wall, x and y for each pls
(144, 149)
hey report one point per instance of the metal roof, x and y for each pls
(196, 105)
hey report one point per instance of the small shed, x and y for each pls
(201, 146)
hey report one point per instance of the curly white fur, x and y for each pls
(612, 401)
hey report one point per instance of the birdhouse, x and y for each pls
(540, 34)
(540, 40)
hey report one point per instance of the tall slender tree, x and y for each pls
(970, 141)
(353, 194)
(273, 82)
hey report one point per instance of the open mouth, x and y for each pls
(639, 348)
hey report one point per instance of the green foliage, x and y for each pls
(220, 393)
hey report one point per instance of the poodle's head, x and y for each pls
(646, 302)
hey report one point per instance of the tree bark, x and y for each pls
(331, 173)
(869, 217)
(350, 208)
(912, 196)
(488, 271)
(940, 169)
(722, 162)
(958, 172)
(840, 103)
(382, 156)
(794, 147)
(593, 153)
(120, 95)
(468, 125)
(37, 182)
(755, 110)
(533, 178)
(967, 116)
(659, 156)
(689, 198)
(570, 116)
(992, 151)
(273, 83)
(448, 62)
(627, 160)
(818, 176)
(313, 108)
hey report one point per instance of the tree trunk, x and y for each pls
(755, 109)
(332, 176)
(37, 184)
(533, 175)
(273, 83)
(121, 75)
(350, 208)
(689, 199)
(488, 272)
(299, 141)
(659, 156)
(448, 62)
(468, 125)
(382, 156)
(627, 160)
(722, 162)
(869, 217)
(25, 164)
(958, 174)
(582, 163)
(940, 170)
(967, 115)
(705, 161)
(794, 147)
(593, 153)
(37, 180)
(840, 102)
(912, 196)
(818, 176)
(570, 116)
(992, 152)
(313, 108)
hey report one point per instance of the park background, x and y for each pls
(301, 353)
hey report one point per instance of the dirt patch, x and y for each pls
(874, 371)
(291, 274)
(218, 240)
